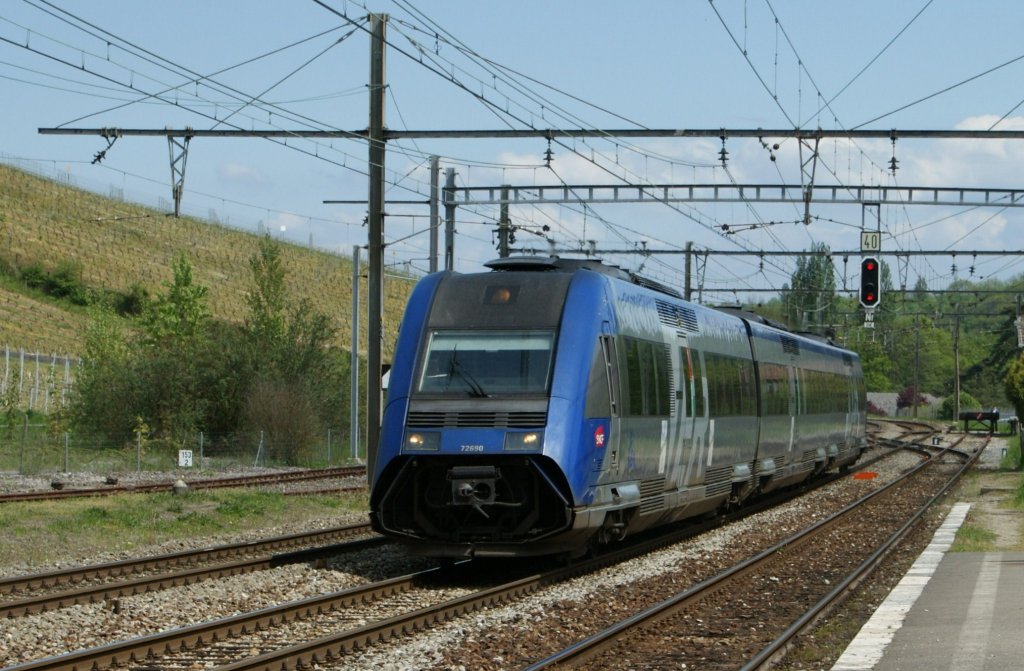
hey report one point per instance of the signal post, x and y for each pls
(870, 277)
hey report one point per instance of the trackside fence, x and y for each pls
(36, 449)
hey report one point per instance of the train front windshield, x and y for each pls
(487, 363)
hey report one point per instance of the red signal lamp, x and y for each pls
(869, 282)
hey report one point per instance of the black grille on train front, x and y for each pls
(465, 419)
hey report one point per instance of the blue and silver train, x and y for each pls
(552, 405)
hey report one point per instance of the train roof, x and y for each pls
(557, 264)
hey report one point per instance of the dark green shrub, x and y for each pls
(967, 402)
(34, 277)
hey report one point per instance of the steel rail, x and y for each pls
(154, 645)
(146, 647)
(34, 581)
(594, 644)
(215, 483)
(113, 591)
(332, 647)
(777, 647)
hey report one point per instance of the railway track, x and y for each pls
(285, 477)
(35, 593)
(737, 619)
(362, 616)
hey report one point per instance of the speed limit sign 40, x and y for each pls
(870, 241)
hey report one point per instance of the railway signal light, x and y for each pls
(870, 285)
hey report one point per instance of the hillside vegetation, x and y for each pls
(117, 246)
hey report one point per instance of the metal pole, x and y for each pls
(354, 365)
(956, 365)
(449, 219)
(917, 361)
(375, 224)
(503, 224)
(24, 441)
(435, 209)
(688, 289)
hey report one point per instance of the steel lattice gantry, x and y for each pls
(729, 193)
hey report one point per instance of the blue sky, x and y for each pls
(456, 65)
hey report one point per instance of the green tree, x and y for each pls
(1014, 384)
(297, 389)
(181, 371)
(811, 300)
(179, 314)
(162, 376)
(876, 363)
(102, 398)
(266, 323)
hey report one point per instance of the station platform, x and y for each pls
(959, 611)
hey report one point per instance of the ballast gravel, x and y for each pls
(460, 644)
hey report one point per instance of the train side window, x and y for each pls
(798, 396)
(775, 382)
(634, 381)
(683, 384)
(599, 402)
(648, 383)
(662, 368)
(608, 348)
(693, 382)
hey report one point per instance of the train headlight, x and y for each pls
(524, 441)
(422, 441)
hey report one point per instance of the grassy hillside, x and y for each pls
(118, 244)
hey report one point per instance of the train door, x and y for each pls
(695, 424)
(680, 430)
(602, 407)
(796, 393)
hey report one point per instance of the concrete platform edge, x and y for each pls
(867, 648)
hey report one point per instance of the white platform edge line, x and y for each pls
(866, 649)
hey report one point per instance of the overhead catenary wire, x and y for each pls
(609, 158)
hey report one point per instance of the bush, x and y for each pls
(967, 402)
(285, 415)
(132, 303)
(65, 282)
(34, 277)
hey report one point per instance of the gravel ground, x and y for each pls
(485, 640)
(12, 483)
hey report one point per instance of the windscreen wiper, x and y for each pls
(455, 367)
